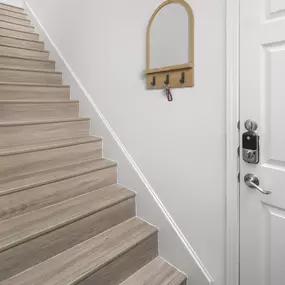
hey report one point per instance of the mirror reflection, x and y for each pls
(169, 37)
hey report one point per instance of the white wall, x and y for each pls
(179, 146)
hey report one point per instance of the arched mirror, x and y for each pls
(170, 46)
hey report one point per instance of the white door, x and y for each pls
(262, 98)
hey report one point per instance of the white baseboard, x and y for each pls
(173, 245)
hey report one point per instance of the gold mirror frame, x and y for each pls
(177, 75)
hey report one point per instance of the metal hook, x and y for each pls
(166, 82)
(182, 80)
(153, 82)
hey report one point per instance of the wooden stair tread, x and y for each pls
(13, 8)
(24, 84)
(15, 30)
(37, 101)
(26, 58)
(22, 228)
(24, 48)
(4, 151)
(23, 25)
(157, 272)
(81, 261)
(28, 40)
(9, 124)
(30, 70)
(14, 17)
(20, 183)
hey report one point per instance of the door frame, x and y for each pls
(232, 141)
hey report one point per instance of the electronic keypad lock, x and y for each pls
(250, 143)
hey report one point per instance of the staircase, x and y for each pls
(63, 218)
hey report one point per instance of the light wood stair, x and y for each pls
(15, 133)
(33, 91)
(14, 19)
(21, 63)
(64, 219)
(10, 24)
(21, 51)
(18, 42)
(27, 36)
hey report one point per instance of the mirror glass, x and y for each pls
(169, 37)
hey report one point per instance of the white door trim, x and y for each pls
(232, 140)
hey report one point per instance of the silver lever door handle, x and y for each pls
(252, 181)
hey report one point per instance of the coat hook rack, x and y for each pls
(182, 79)
(163, 68)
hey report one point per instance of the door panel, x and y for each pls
(275, 7)
(262, 98)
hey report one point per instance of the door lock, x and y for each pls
(250, 143)
(252, 181)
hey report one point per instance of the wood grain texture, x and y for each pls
(157, 272)
(33, 180)
(23, 52)
(39, 131)
(37, 110)
(16, 42)
(19, 161)
(30, 76)
(26, 63)
(24, 256)
(18, 10)
(21, 91)
(169, 68)
(19, 34)
(26, 227)
(8, 12)
(63, 218)
(18, 27)
(126, 265)
(83, 260)
(32, 199)
(15, 20)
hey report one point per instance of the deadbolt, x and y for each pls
(250, 143)
(251, 125)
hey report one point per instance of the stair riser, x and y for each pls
(10, 62)
(20, 35)
(14, 20)
(13, 92)
(8, 25)
(13, 51)
(37, 250)
(30, 77)
(14, 112)
(24, 163)
(126, 265)
(21, 43)
(9, 12)
(32, 199)
(11, 8)
(17, 135)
